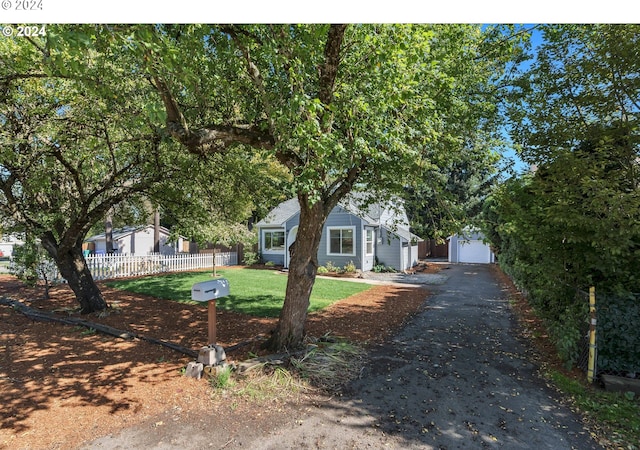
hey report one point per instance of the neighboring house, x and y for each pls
(134, 241)
(8, 242)
(379, 235)
(469, 247)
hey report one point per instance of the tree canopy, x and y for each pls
(359, 107)
(573, 222)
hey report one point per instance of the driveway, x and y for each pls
(456, 377)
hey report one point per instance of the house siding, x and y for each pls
(339, 217)
(388, 249)
(389, 225)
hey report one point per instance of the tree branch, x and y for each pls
(329, 69)
(215, 138)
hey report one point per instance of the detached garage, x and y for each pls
(469, 247)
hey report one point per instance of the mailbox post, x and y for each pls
(209, 291)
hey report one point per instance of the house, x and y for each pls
(134, 241)
(7, 244)
(469, 247)
(379, 235)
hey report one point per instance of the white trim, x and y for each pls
(290, 239)
(272, 230)
(346, 227)
(373, 241)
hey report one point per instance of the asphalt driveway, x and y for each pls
(456, 377)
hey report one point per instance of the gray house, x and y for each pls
(135, 241)
(350, 235)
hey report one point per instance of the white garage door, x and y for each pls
(474, 251)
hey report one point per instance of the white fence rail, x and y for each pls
(105, 267)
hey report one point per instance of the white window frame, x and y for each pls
(369, 242)
(350, 228)
(264, 241)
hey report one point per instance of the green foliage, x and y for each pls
(251, 258)
(222, 379)
(617, 414)
(254, 292)
(330, 267)
(350, 267)
(31, 263)
(322, 270)
(573, 223)
(381, 268)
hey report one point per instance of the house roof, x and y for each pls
(373, 215)
(123, 232)
(281, 213)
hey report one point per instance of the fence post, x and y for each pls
(591, 368)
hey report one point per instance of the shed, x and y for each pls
(469, 246)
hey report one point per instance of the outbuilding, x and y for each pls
(469, 246)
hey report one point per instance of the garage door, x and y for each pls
(474, 251)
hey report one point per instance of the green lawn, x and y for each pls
(254, 292)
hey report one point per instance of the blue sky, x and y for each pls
(536, 41)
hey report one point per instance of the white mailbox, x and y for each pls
(210, 290)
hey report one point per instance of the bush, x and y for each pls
(350, 268)
(251, 258)
(31, 263)
(330, 267)
(322, 270)
(380, 268)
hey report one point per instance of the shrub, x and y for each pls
(350, 268)
(251, 258)
(322, 270)
(330, 267)
(31, 263)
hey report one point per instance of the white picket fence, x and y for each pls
(105, 267)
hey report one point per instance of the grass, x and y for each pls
(618, 413)
(254, 292)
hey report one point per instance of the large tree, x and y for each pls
(82, 137)
(73, 144)
(364, 107)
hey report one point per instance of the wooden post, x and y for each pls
(592, 335)
(212, 322)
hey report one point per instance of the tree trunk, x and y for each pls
(156, 231)
(108, 234)
(303, 267)
(73, 268)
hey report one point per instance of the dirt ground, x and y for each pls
(62, 386)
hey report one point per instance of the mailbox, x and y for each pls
(210, 290)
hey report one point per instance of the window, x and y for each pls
(273, 241)
(368, 242)
(341, 241)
